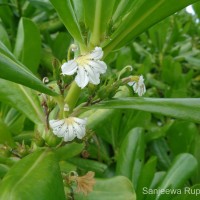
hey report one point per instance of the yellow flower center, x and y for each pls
(82, 60)
(135, 78)
(69, 120)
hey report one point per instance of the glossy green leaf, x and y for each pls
(3, 170)
(161, 149)
(5, 135)
(60, 46)
(116, 188)
(189, 193)
(36, 176)
(142, 15)
(131, 155)
(4, 37)
(122, 8)
(23, 99)
(146, 176)
(97, 17)
(78, 10)
(158, 177)
(66, 13)
(28, 44)
(130, 119)
(69, 151)
(11, 69)
(195, 151)
(89, 165)
(179, 172)
(102, 116)
(184, 132)
(7, 15)
(14, 119)
(185, 108)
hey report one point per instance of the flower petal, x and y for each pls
(80, 121)
(93, 76)
(62, 131)
(80, 131)
(56, 125)
(81, 78)
(96, 54)
(131, 83)
(98, 65)
(69, 68)
(139, 87)
(72, 134)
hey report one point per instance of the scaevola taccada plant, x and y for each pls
(87, 68)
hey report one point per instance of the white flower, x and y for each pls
(88, 68)
(69, 128)
(138, 86)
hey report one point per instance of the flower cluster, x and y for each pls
(88, 69)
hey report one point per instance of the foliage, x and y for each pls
(131, 142)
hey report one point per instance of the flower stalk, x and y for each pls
(72, 97)
(95, 36)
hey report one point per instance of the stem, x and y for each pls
(60, 103)
(72, 97)
(69, 54)
(95, 37)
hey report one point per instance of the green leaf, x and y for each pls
(78, 10)
(161, 149)
(89, 165)
(131, 155)
(182, 108)
(23, 99)
(13, 70)
(5, 135)
(3, 170)
(189, 193)
(14, 120)
(66, 13)
(7, 15)
(28, 44)
(69, 151)
(179, 172)
(146, 176)
(4, 37)
(158, 177)
(61, 45)
(116, 188)
(184, 132)
(97, 17)
(142, 15)
(107, 132)
(36, 176)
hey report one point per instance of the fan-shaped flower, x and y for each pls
(69, 128)
(138, 86)
(88, 68)
(85, 183)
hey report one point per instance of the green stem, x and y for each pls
(95, 37)
(59, 100)
(72, 97)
